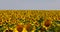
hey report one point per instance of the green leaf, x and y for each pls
(57, 29)
(51, 29)
(58, 22)
(2, 28)
(36, 31)
(11, 26)
(55, 22)
(26, 22)
(41, 20)
(38, 28)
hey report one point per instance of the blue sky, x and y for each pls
(30, 4)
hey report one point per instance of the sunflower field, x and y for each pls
(29, 21)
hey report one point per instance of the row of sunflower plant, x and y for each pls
(29, 21)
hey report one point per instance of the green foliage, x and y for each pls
(2, 28)
(51, 29)
(54, 27)
(57, 29)
(40, 29)
(41, 20)
(58, 22)
(12, 25)
(37, 29)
